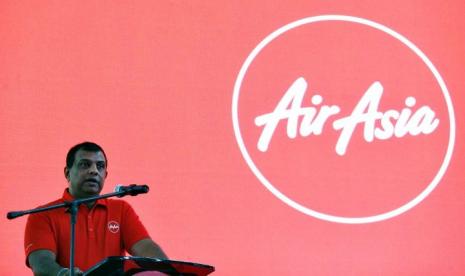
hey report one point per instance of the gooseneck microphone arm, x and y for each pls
(121, 191)
(73, 209)
(15, 214)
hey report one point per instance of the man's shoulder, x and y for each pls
(49, 214)
(111, 202)
(54, 202)
(59, 200)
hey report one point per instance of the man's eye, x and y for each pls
(84, 165)
(100, 166)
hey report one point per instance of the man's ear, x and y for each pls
(66, 171)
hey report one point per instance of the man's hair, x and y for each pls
(86, 146)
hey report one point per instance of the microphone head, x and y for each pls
(135, 189)
(132, 189)
(144, 189)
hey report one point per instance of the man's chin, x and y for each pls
(91, 191)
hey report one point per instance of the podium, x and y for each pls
(126, 265)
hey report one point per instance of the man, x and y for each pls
(107, 227)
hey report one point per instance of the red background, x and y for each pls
(152, 82)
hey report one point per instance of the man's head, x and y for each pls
(86, 169)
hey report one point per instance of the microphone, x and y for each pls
(132, 189)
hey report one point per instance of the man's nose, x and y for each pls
(93, 169)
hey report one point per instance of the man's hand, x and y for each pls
(147, 248)
(43, 263)
(66, 272)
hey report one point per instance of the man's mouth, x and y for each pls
(92, 182)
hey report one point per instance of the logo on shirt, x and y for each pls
(343, 119)
(113, 226)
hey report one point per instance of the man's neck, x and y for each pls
(89, 204)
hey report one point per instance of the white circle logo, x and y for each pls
(343, 119)
(113, 227)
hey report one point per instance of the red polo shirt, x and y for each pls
(110, 228)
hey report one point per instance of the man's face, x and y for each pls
(87, 175)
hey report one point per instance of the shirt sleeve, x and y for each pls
(132, 228)
(38, 235)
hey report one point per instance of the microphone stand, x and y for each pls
(73, 209)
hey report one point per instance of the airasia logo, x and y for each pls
(343, 119)
(113, 227)
(289, 109)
